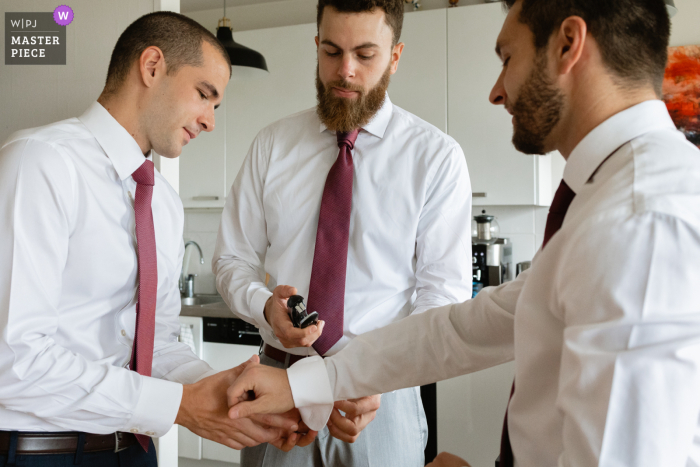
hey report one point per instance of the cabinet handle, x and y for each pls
(479, 195)
(205, 198)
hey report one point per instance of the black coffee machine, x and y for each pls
(492, 257)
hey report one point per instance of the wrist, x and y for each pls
(183, 412)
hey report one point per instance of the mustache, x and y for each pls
(345, 85)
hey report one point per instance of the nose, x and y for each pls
(498, 93)
(347, 67)
(207, 121)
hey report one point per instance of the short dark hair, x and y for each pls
(177, 36)
(393, 10)
(632, 35)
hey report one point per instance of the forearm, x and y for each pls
(242, 286)
(439, 344)
(78, 395)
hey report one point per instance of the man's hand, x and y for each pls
(271, 389)
(277, 316)
(204, 411)
(358, 414)
(303, 437)
(445, 459)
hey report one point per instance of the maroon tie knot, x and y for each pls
(144, 174)
(347, 139)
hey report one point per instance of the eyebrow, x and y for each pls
(366, 45)
(212, 90)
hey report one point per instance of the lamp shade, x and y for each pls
(240, 55)
(671, 7)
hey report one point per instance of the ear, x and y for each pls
(151, 65)
(396, 56)
(317, 42)
(570, 42)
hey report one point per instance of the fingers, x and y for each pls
(249, 433)
(355, 407)
(277, 421)
(245, 410)
(291, 337)
(307, 438)
(284, 291)
(348, 428)
(286, 444)
(237, 371)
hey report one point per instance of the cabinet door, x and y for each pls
(500, 175)
(202, 162)
(420, 84)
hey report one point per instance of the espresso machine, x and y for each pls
(492, 257)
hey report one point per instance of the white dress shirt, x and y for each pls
(410, 226)
(69, 282)
(606, 323)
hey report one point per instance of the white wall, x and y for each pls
(35, 95)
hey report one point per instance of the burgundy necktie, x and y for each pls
(327, 286)
(555, 218)
(142, 353)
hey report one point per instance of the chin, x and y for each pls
(170, 152)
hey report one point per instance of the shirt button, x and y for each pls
(134, 430)
(123, 332)
(150, 433)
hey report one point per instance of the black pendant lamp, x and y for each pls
(671, 7)
(240, 55)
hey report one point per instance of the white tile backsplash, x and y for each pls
(523, 225)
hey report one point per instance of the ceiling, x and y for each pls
(196, 5)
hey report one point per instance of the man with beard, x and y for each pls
(605, 325)
(360, 207)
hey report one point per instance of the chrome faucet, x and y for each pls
(187, 284)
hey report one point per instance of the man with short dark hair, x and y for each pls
(363, 209)
(90, 365)
(605, 325)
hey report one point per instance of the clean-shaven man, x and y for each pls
(90, 365)
(605, 326)
(363, 209)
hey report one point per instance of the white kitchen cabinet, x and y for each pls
(500, 175)
(202, 162)
(254, 99)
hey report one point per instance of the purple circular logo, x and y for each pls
(63, 15)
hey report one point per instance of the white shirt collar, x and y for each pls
(619, 129)
(121, 148)
(378, 124)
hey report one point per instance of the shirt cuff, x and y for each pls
(311, 391)
(156, 408)
(257, 308)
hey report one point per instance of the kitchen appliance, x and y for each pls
(492, 257)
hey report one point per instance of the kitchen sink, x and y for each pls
(202, 299)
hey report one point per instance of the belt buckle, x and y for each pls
(116, 442)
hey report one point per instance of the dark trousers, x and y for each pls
(133, 456)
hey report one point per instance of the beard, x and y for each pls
(343, 114)
(537, 110)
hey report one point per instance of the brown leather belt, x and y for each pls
(281, 356)
(34, 443)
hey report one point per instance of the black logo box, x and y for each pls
(34, 39)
